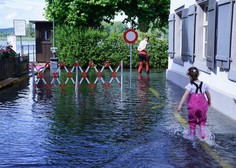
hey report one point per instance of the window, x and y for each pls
(202, 27)
(178, 36)
(178, 31)
(46, 35)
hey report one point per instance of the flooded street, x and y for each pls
(139, 127)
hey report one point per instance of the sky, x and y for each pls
(11, 10)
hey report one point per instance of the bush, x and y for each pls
(7, 52)
(79, 45)
(84, 45)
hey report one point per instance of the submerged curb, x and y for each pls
(11, 81)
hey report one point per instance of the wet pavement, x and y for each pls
(139, 127)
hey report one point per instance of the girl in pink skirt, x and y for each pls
(198, 99)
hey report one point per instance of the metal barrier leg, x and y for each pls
(76, 79)
(33, 75)
(122, 72)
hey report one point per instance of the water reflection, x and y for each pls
(141, 104)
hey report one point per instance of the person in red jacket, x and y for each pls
(142, 54)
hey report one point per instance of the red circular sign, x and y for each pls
(130, 36)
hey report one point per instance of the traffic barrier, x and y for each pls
(76, 82)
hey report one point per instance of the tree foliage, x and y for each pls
(90, 13)
(80, 13)
(30, 30)
(148, 12)
(117, 27)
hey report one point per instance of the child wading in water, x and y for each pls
(196, 94)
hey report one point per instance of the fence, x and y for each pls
(29, 50)
(10, 67)
(76, 81)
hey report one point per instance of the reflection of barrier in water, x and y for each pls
(76, 82)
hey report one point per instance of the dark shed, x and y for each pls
(43, 34)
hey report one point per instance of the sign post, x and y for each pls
(130, 37)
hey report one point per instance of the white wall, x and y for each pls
(11, 39)
(175, 4)
(222, 89)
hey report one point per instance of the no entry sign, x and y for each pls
(130, 36)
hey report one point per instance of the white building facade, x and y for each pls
(202, 33)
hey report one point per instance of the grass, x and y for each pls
(18, 38)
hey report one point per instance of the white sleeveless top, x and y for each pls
(192, 88)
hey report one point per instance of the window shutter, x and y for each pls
(201, 1)
(171, 38)
(185, 46)
(191, 33)
(211, 34)
(224, 26)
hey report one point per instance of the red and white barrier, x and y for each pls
(56, 76)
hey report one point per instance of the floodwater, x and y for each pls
(106, 128)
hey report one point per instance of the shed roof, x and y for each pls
(39, 21)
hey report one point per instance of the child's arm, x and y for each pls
(208, 97)
(184, 98)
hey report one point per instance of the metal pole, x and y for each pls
(122, 72)
(33, 75)
(21, 46)
(53, 59)
(130, 77)
(53, 28)
(33, 55)
(130, 59)
(76, 77)
(28, 50)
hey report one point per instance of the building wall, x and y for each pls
(194, 41)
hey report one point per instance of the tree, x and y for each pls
(80, 13)
(118, 27)
(91, 13)
(30, 30)
(152, 13)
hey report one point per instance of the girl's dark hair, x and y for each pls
(193, 72)
(146, 36)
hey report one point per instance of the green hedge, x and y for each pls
(85, 45)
